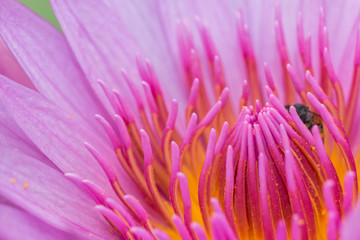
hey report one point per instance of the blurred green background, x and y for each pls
(43, 8)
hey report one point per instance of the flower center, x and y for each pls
(262, 172)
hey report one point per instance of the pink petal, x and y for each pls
(47, 194)
(10, 68)
(46, 57)
(18, 224)
(103, 44)
(343, 20)
(12, 137)
(350, 229)
(59, 135)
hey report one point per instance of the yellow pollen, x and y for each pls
(15, 149)
(25, 185)
(70, 116)
(13, 180)
(90, 234)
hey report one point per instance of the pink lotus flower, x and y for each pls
(225, 160)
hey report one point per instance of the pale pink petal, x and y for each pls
(58, 134)
(350, 229)
(12, 137)
(343, 19)
(47, 59)
(10, 68)
(47, 194)
(103, 45)
(18, 224)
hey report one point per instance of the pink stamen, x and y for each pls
(269, 78)
(329, 195)
(303, 44)
(109, 131)
(258, 106)
(290, 176)
(281, 231)
(218, 72)
(206, 40)
(204, 175)
(229, 188)
(244, 37)
(307, 60)
(184, 233)
(195, 64)
(153, 80)
(303, 130)
(245, 94)
(349, 192)
(252, 182)
(194, 92)
(96, 191)
(355, 86)
(150, 98)
(134, 91)
(123, 211)
(221, 228)
(331, 124)
(275, 153)
(210, 116)
(189, 132)
(199, 231)
(264, 199)
(171, 119)
(330, 67)
(103, 163)
(326, 162)
(116, 220)
(222, 138)
(79, 181)
(315, 86)
(280, 108)
(175, 168)
(111, 98)
(141, 233)
(185, 195)
(323, 37)
(298, 86)
(127, 113)
(161, 235)
(125, 137)
(240, 200)
(280, 37)
(333, 225)
(297, 228)
(139, 210)
(224, 96)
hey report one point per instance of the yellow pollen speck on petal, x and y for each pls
(90, 234)
(25, 185)
(70, 116)
(15, 149)
(110, 230)
(13, 180)
(301, 222)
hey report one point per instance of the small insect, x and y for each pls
(308, 117)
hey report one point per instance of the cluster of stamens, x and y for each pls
(258, 174)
